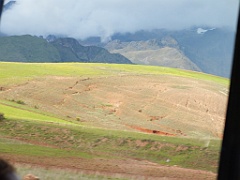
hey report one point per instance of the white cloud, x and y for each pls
(81, 18)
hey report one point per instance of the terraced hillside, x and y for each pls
(121, 114)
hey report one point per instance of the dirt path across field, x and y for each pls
(127, 168)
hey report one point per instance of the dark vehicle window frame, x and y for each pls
(1, 7)
(229, 164)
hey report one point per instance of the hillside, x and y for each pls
(71, 51)
(35, 49)
(134, 98)
(27, 49)
(111, 121)
(152, 52)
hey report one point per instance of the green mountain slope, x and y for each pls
(71, 51)
(27, 49)
(34, 49)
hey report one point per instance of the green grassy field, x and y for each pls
(27, 131)
(16, 113)
(21, 72)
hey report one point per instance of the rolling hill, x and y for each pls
(107, 116)
(134, 98)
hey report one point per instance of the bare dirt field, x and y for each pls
(158, 104)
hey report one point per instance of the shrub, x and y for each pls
(20, 102)
(2, 116)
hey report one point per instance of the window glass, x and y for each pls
(115, 89)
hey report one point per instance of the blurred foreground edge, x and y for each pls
(1, 7)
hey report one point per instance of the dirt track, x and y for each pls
(130, 168)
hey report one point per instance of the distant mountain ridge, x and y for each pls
(210, 49)
(71, 51)
(207, 49)
(35, 49)
(153, 52)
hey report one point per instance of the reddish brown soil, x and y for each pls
(152, 131)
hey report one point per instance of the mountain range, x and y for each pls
(204, 49)
(36, 49)
(198, 49)
(151, 53)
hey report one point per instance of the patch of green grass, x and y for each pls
(34, 150)
(21, 72)
(16, 113)
(143, 69)
(25, 107)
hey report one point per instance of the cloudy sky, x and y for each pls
(84, 18)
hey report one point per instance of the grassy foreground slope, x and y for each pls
(12, 112)
(111, 118)
(100, 150)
